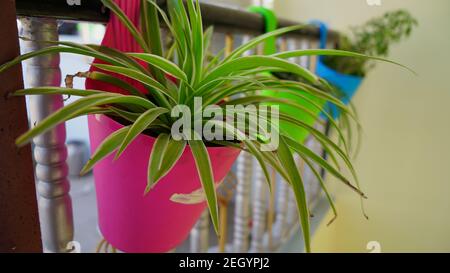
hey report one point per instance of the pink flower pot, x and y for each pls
(132, 222)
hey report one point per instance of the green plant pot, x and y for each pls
(300, 135)
(293, 131)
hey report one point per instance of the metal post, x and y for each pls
(244, 166)
(316, 147)
(310, 63)
(50, 152)
(292, 210)
(282, 193)
(312, 184)
(259, 211)
(19, 222)
(280, 226)
(244, 174)
(199, 238)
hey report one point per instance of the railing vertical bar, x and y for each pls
(199, 238)
(244, 174)
(244, 167)
(259, 220)
(318, 149)
(271, 210)
(280, 225)
(292, 214)
(313, 144)
(282, 207)
(50, 152)
(223, 204)
(305, 60)
(293, 43)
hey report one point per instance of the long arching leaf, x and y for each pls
(204, 169)
(58, 49)
(165, 154)
(333, 52)
(107, 147)
(139, 126)
(260, 39)
(162, 64)
(144, 79)
(72, 110)
(253, 62)
(304, 151)
(286, 157)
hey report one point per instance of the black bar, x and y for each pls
(89, 10)
(94, 11)
(247, 263)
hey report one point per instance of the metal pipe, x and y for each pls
(50, 152)
(244, 166)
(280, 225)
(199, 238)
(259, 220)
(232, 19)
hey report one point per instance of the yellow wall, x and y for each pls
(405, 159)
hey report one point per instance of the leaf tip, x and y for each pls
(147, 190)
(118, 154)
(13, 94)
(21, 141)
(331, 221)
(85, 169)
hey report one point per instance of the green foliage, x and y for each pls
(374, 38)
(233, 80)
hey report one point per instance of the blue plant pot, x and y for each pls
(347, 84)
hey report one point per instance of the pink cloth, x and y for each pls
(118, 37)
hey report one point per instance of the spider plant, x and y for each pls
(232, 80)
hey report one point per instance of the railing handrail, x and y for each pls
(93, 11)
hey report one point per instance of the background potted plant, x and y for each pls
(373, 38)
(140, 165)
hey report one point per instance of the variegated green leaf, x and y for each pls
(205, 173)
(139, 126)
(107, 147)
(165, 154)
(72, 110)
(162, 64)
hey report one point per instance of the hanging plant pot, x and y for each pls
(156, 222)
(298, 134)
(312, 104)
(346, 84)
(128, 220)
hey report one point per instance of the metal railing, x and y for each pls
(261, 222)
(93, 11)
